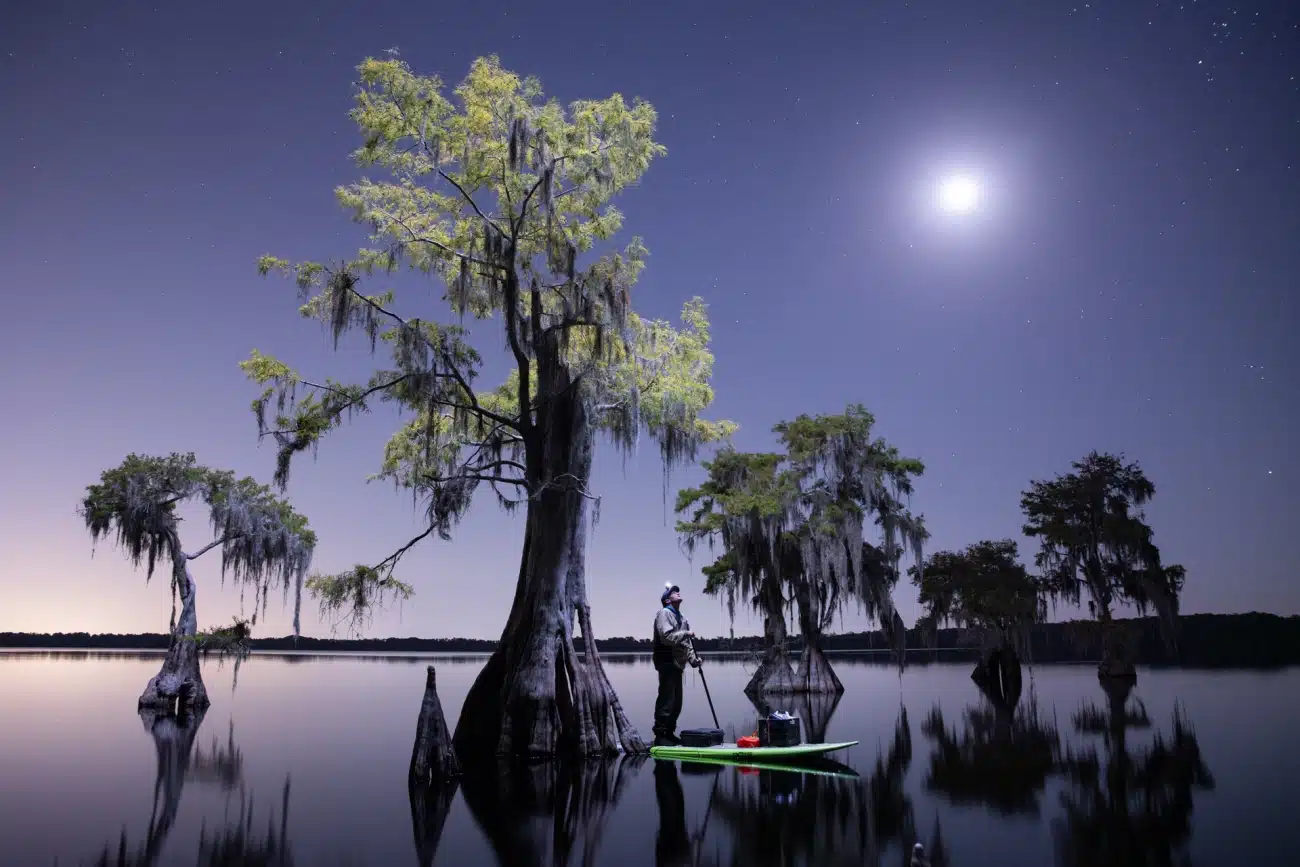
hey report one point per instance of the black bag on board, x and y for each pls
(776, 732)
(701, 737)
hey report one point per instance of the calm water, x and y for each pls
(1193, 765)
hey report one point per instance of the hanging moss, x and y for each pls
(264, 543)
(791, 527)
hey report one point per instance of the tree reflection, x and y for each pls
(1001, 758)
(430, 804)
(236, 844)
(545, 813)
(173, 739)
(822, 813)
(178, 762)
(1129, 807)
(222, 763)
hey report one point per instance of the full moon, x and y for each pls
(958, 195)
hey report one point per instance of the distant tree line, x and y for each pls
(1207, 640)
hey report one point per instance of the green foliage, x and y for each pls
(981, 587)
(263, 541)
(796, 518)
(136, 502)
(234, 640)
(353, 595)
(1093, 536)
(497, 191)
(742, 506)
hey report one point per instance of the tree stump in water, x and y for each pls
(998, 673)
(1116, 669)
(433, 758)
(1116, 653)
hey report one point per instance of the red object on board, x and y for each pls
(747, 742)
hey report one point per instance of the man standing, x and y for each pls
(673, 650)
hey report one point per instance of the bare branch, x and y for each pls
(479, 468)
(455, 371)
(451, 251)
(208, 547)
(476, 477)
(467, 197)
(391, 560)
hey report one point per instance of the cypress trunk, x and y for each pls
(537, 696)
(1115, 663)
(998, 673)
(814, 673)
(774, 674)
(178, 685)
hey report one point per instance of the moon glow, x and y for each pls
(958, 195)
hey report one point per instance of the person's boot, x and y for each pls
(666, 739)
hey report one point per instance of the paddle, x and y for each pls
(703, 680)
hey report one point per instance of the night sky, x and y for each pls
(1128, 282)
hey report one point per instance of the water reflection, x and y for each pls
(430, 804)
(1113, 784)
(173, 739)
(545, 813)
(1122, 804)
(236, 844)
(1128, 806)
(1001, 758)
(820, 813)
(234, 841)
(673, 841)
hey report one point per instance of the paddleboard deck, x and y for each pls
(733, 753)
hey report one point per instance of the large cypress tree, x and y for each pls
(499, 192)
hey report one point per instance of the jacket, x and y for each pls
(671, 643)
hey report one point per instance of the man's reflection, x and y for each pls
(672, 844)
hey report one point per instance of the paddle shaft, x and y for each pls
(705, 681)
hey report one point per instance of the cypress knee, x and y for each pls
(432, 758)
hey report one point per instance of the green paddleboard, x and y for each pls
(733, 753)
(816, 765)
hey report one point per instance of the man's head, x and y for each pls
(672, 595)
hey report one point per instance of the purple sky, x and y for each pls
(1129, 285)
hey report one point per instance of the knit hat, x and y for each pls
(669, 590)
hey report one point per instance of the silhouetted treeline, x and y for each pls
(1204, 640)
